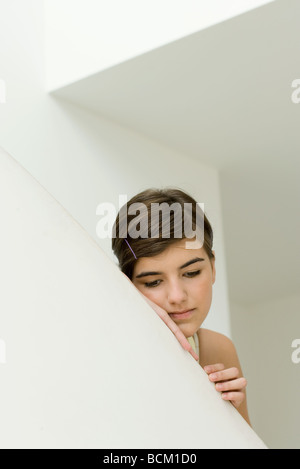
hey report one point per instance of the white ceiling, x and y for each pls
(223, 97)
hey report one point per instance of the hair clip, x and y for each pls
(130, 248)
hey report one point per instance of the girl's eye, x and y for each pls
(193, 274)
(188, 274)
(152, 284)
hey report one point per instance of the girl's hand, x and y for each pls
(173, 326)
(228, 382)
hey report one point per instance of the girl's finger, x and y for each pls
(181, 338)
(214, 368)
(229, 373)
(235, 397)
(235, 384)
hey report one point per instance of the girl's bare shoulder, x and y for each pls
(216, 348)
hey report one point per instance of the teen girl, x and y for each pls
(177, 282)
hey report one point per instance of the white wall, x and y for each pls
(74, 377)
(83, 159)
(263, 335)
(86, 36)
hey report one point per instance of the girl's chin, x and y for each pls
(188, 331)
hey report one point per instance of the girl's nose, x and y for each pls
(176, 294)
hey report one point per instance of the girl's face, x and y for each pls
(178, 279)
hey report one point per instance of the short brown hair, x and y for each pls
(146, 246)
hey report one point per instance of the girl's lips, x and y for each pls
(185, 315)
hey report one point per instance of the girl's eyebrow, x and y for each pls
(145, 274)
